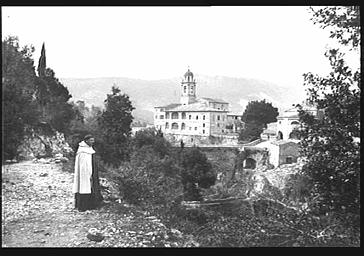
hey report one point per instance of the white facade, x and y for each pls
(194, 116)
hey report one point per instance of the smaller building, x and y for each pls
(283, 152)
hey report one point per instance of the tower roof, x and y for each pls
(188, 73)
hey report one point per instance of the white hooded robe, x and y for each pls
(83, 169)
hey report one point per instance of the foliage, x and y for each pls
(344, 23)
(256, 116)
(251, 131)
(151, 178)
(152, 138)
(31, 102)
(197, 172)
(114, 124)
(85, 122)
(19, 88)
(330, 144)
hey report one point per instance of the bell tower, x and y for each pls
(188, 88)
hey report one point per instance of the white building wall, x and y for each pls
(284, 125)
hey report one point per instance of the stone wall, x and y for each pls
(198, 140)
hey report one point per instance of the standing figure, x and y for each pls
(86, 186)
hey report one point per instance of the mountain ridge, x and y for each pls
(146, 94)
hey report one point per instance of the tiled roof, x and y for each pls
(196, 107)
(214, 100)
(169, 106)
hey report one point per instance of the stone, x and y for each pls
(58, 155)
(94, 235)
(64, 159)
(176, 232)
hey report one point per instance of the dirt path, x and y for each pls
(38, 211)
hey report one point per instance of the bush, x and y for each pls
(197, 172)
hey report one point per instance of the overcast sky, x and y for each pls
(277, 43)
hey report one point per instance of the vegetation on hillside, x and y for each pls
(332, 144)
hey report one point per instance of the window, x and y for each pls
(196, 117)
(203, 125)
(218, 125)
(218, 118)
(222, 130)
(189, 116)
(183, 115)
(156, 117)
(184, 89)
(183, 126)
(203, 117)
(174, 115)
(190, 128)
(203, 131)
(236, 118)
(195, 128)
(161, 116)
(174, 126)
(167, 125)
(167, 115)
(223, 118)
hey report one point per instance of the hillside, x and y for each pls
(145, 94)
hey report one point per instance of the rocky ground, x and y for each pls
(38, 211)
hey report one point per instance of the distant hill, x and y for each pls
(146, 94)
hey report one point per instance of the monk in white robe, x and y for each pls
(86, 181)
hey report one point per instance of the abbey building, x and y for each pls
(197, 120)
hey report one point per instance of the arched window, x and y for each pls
(295, 123)
(183, 115)
(174, 115)
(174, 126)
(280, 135)
(183, 126)
(167, 125)
(294, 134)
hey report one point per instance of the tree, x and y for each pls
(331, 144)
(53, 98)
(115, 123)
(197, 173)
(19, 89)
(256, 116)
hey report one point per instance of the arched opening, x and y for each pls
(167, 125)
(174, 115)
(289, 160)
(183, 115)
(183, 126)
(295, 123)
(280, 135)
(174, 126)
(250, 163)
(294, 135)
